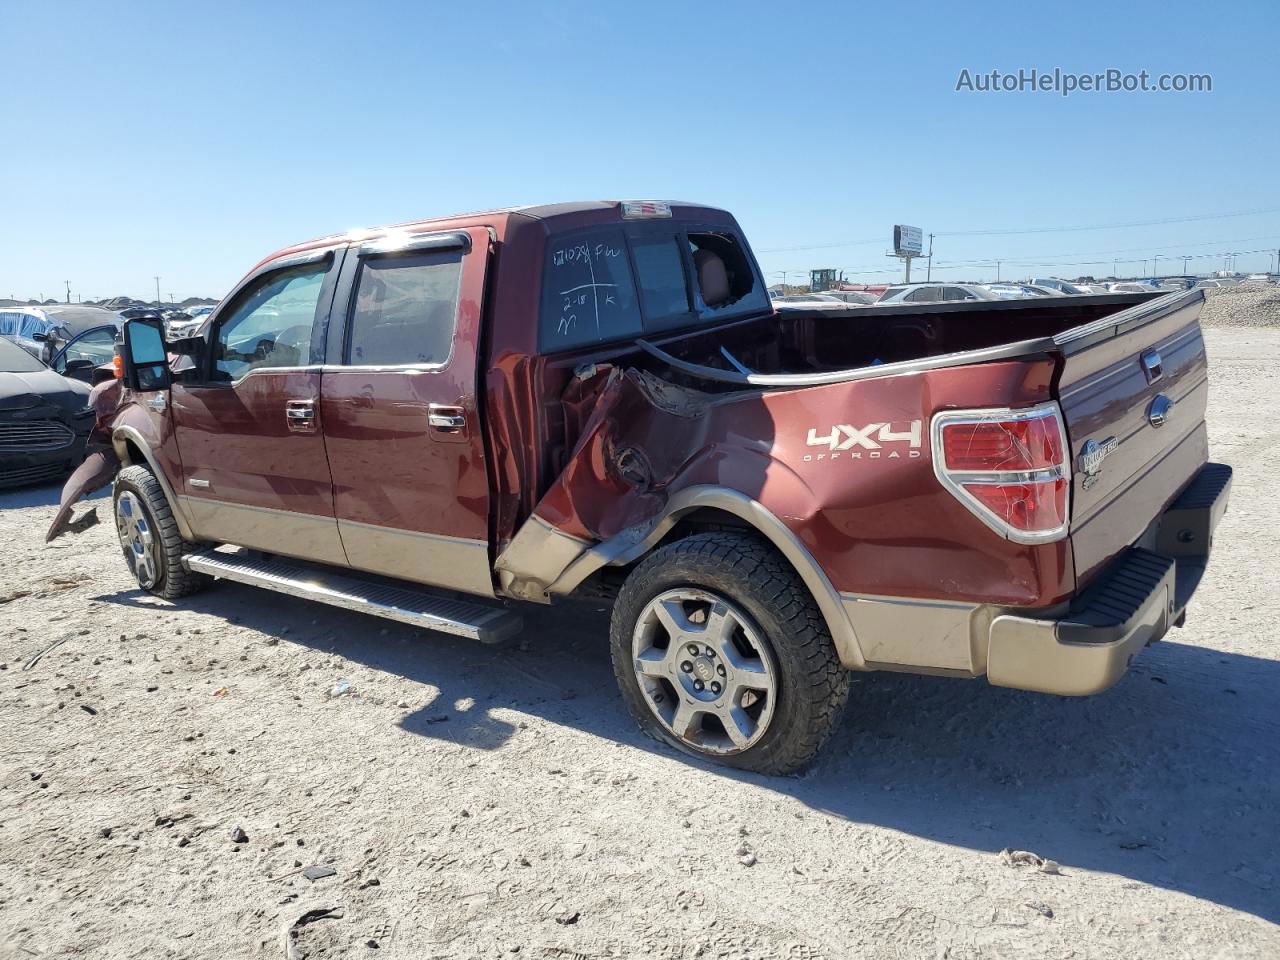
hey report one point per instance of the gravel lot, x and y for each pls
(169, 772)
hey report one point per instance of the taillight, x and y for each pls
(1009, 467)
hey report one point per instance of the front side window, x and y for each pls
(924, 295)
(405, 310)
(96, 347)
(272, 324)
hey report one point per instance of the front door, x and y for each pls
(254, 471)
(401, 413)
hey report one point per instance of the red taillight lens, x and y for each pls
(1038, 505)
(1029, 444)
(1009, 467)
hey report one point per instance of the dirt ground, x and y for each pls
(472, 802)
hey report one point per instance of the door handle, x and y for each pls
(448, 419)
(300, 415)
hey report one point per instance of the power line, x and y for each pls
(1027, 230)
(1108, 226)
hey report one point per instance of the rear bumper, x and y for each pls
(1142, 594)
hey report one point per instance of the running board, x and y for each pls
(420, 607)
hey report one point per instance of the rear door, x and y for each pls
(1133, 389)
(254, 471)
(401, 409)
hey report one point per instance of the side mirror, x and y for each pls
(39, 337)
(146, 365)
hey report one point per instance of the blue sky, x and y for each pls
(190, 140)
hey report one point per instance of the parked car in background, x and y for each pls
(88, 355)
(1217, 284)
(1014, 291)
(1130, 287)
(809, 301)
(935, 293)
(201, 311)
(33, 330)
(856, 297)
(1054, 283)
(45, 419)
(1259, 278)
(133, 313)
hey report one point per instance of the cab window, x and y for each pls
(405, 310)
(271, 326)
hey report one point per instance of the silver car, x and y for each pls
(935, 293)
(33, 330)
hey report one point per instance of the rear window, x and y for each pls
(588, 294)
(612, 284)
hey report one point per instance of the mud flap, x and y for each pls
(98, 469)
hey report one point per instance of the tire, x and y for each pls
(153, 548)
(766, 689)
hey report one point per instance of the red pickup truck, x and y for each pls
(440, 421)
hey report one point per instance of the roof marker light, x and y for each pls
(645, 209)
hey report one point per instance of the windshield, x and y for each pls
(13, 359)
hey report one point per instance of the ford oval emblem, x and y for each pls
(1158, 414)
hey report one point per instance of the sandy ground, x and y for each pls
(479, 802)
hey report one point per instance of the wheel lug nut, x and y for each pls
(711, 653)
(693, 649)
(715, 687)
(686, 666)
(697, 684)
(720, 669)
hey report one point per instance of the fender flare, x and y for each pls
(121, 437)
(632, 544)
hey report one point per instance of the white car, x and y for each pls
(33, 330)
(1020, 291)
(1062, 286)
(1131, 288)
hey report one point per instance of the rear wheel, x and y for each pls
(153, 547)
(720, 651)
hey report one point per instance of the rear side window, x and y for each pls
(405, 310)
(588, 293)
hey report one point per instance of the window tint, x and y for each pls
(957, 293)
(924, 295)
(271, 326)
(405, 310)
(588, 294)
(661, 277)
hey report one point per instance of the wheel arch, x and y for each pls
(712, 501)
(133, 450)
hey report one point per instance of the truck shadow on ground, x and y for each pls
(1172, 778)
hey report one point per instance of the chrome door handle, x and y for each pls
(1152, 365)
(300, 415)
(442, 417)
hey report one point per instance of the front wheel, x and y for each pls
(720, 651)
(149, 536)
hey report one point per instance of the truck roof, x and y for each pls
(587, 211)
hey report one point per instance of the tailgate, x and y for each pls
(1129, 462)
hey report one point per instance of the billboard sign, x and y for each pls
(907, 241)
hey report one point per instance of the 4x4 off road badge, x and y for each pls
(875, 441)
(1091, 456)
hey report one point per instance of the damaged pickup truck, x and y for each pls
(441, 421)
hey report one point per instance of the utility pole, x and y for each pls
(1184, 265)
(157, 291)
(1155, 270)
(68, 283)
(997, 271)
(928, 271)
(1113, 268)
